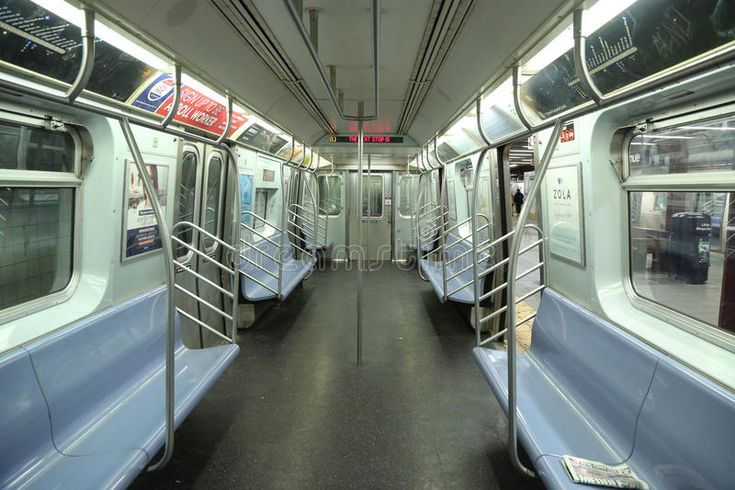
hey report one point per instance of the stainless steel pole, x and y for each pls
(165, 236)
(360, 249)
(511, 312)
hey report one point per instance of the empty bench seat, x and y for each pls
(85, 407)
(259, 270)
(433, 271)
(586, 388)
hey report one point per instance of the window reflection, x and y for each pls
(372, 196)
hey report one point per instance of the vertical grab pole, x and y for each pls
(284, 229)
(442, 237)
(165, 235)
(359, 235)
(235, 286)
(511, 316)
(475, 271)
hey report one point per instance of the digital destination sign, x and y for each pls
(369, 138)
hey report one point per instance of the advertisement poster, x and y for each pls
(141, 229)
(564, 204)
(195, 109)
(246, 197)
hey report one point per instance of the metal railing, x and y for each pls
(228, 271)
(315, 227)
(306, 225)
(479, 319)
(278, 275)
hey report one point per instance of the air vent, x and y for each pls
(445, 20)
(246, 19)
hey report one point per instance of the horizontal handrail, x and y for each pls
(263, 252)
(202, 278)
(493, 337)
(296, 246)
(493, 314)
(202, 255)
(203, 301)
(257, 281)
(204, 232)
(251, 261)
(493, 291)
(531, 293)
(204, 325)
(256, 232)
(263, 220)
(532, 269)
(463, 222)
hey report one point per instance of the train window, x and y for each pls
(187, 199)
(261, 207)
(36, 242)
(408, 194)
(372, 197)
(677, 259)
(451, 203)
(213, 199)
(29, 148)
(699, 147)
(330, 194)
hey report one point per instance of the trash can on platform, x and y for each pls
(690, 244)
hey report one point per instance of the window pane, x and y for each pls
(696, 147)
(212, 204)
(36, 233)
(674, 260)
(261, 208)
(409, 194)
(330, 194)
(28, 148)
(187, 199)
(372, 196)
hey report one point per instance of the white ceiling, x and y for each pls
(198, 36)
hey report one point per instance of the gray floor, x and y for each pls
(294, 411)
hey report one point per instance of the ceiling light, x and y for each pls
(601, 12)
(75, 16)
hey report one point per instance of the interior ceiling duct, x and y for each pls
(246, 19)
(445, 21)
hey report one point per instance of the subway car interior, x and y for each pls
(367, 244)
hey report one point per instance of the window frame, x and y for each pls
(220, 197)
(188, 147)
(711, 181)
(49, 179)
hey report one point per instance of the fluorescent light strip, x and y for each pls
(204, 89)
(601, 12)
(664, 137)
(710, 128)
(76, 16)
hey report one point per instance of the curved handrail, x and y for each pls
(87, 65)
(510, 317)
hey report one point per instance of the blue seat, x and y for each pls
(262, 253)
(433, 271)
(586, 388)
(84, 406)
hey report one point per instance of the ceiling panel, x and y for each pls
(199, 36)
(487, 43)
